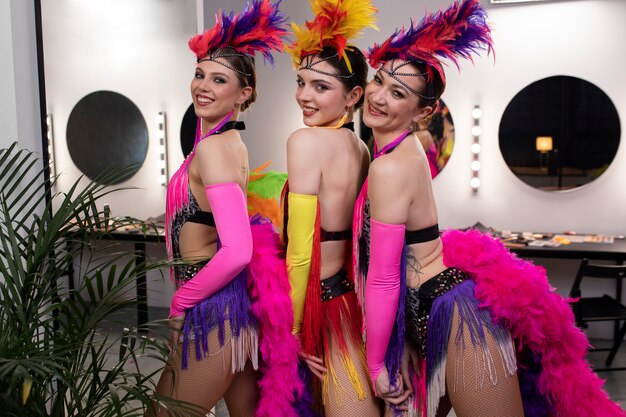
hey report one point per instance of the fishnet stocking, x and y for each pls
(472, 388)
(207, 380)
(342, 400)
(242, 395)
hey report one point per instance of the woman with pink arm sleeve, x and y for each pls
(231, 314)
(454, 321)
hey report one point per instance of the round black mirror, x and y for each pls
(106, 130)
(559, 133)
(188, 130)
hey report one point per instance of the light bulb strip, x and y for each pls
(475, 149)
(163, 177)
(50, 138)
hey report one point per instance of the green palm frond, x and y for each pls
(54, 358)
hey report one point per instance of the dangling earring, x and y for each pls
(341, 121)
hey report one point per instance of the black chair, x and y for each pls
(605, 308)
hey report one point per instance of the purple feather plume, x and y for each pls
(457, 32)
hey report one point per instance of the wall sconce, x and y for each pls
(475, 149)
(162, 165)
(543, 144)
(50, 138)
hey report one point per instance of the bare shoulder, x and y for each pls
(386, 168)
(301, 137)
(387, 191)
(209, 147)
(389, 176)
(305, 141)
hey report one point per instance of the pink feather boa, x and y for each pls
(517, 293)
(269, 289)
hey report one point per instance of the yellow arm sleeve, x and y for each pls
(302, 210)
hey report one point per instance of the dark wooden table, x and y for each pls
(615, 251)
(139, 241)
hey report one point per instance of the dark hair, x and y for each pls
(434, 88)
(245, 64)
(359, 68)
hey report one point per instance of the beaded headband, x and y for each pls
(220, 53)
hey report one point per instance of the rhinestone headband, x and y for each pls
(225, 53)
(309, 63)
(393, 73)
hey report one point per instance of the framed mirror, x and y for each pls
(188, 130)
(106, 130)
(436, 136)
(559, 133)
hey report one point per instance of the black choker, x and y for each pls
(349, 126)
(235, 124)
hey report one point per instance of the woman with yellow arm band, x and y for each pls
(327, 163)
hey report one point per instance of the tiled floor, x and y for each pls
(615, 381)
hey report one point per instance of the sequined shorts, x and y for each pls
(419, 302)
(190, 271)
(336, 285)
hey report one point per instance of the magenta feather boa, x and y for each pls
(269, 289)
(517, 293)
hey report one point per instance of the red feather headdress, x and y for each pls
(258, 28)
(335, 23)
(454, 33)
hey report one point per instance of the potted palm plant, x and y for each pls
(54, 358)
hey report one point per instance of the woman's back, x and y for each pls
(339, 160)
(406, 168)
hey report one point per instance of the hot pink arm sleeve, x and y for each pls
(382, 291)
(229, 208)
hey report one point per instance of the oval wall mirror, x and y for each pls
(559, 133)
(436, 136)
(106, 130)
(188, 130)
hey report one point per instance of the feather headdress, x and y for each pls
(454, 33)
(335, 23)
(258, 28)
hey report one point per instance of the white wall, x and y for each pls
(19, 100)
(136, 48)
(8, 111)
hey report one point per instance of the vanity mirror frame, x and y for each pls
(559, 133)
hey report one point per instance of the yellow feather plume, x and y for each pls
(336, 23)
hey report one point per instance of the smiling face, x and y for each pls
(389, 106)
(323, 98)
(216, 90)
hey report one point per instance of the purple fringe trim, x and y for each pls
(477, 321)
(395, 349)
(535, 404)
(304, 403)
(231, 303)
(440, 323)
